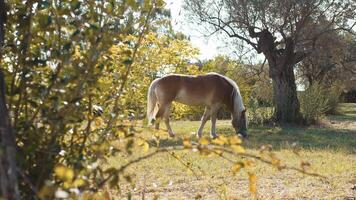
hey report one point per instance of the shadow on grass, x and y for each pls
(284, 137)
(310, 138)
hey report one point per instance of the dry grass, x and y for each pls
(330, 151)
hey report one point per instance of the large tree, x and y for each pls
(333, 60)
(8, 170)
(279, 29)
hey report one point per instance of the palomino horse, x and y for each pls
(212, 90)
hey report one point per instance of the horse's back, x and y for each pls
(193, 90)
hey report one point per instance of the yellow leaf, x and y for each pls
(146, 146)
(67, 185)
(220, 140)
(248, 163)
(186, 143)
(140, 142)
(69, 174)
(60, 171)
(236, 167)
(252, 182)
(64, 173)
(98, 121)
(223, 138)
(275, 162)
(235, 140)
(143, 144)
(218, 152)
(78, 183)
(120, 133)
(238, 148)
(204, 141)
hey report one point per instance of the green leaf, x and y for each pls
(75, 33)
(43, 5)
(44, 20)
(75, 5)
(94, 26)
(127, 61)
(67, 46)
(132, 3)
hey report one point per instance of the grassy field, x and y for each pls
(330, 148)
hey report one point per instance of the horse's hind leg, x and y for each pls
(166, 121)
(159, 115)
(164, 112)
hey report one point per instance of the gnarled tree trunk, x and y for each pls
(8, 170)
(285, 96)
(281, 63)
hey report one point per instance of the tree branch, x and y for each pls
(221, 25)
(299, 56)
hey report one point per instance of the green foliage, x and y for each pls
(313, 103)
(64, 94)
(257, 114)
(181, 111)
(334, 96)
(262, 91)
(317, 100)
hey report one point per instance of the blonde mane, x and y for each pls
(238, 104)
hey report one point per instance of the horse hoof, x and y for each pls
(242, 136)
(214, 136)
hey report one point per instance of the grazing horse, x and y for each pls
(212, 90)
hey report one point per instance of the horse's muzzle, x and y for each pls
(242, 134)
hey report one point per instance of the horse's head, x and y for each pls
(239, 122)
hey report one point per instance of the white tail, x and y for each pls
(151, 102)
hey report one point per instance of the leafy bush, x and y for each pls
(318, 100)
(181, 111)
(262, 91)
(257, 114)
(333, 95)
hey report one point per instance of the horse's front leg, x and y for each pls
(213, 112)
(157, 124)
(213, 126)
(204, 119)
